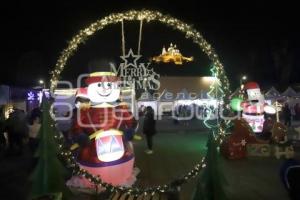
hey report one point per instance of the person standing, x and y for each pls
(17, 130)
(293, 113)
(267, 129)
(149, 128)
(34, 128)
(297, 111)
(2, 129)
(287, 115)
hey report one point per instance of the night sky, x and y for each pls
(258, 39)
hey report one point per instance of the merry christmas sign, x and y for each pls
(135, 73)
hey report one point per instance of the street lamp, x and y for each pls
(42, 82)
(244, 78)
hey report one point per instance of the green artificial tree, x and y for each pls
(48, 176)
(212, 181)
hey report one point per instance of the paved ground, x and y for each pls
(254, 179)
(249, 179)
(14, 172)
(174, 155)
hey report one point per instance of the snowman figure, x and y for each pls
(255, 107)
(101, 147)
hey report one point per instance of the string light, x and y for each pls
(133, 15)
(146, 16)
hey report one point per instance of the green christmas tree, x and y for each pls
(48, 175)
(215, 89)
(211, 184)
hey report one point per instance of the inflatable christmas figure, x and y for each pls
(254, 107)
(234, 146)
(99, 130)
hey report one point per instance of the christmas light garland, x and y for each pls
(146, 16)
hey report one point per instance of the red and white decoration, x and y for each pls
(255, 107)
(108, 154)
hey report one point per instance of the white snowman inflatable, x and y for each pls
(100, 131)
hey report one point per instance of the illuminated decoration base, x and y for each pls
(117, 175)
(256, 122)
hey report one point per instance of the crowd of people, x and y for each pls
(18, 130)
(193, 110)
(21, 129)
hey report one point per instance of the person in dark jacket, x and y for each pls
(34, 128)
(2, 129)
(287, 115)
(149, 128)
(17, 130)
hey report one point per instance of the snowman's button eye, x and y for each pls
(109, 84)
(99, 85)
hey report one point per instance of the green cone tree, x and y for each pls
(48, 176)
(211, 183)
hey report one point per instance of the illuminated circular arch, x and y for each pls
(147, 16)
(132, 15)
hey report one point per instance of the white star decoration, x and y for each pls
(243, 142)
(30, 96)
(130, 59)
